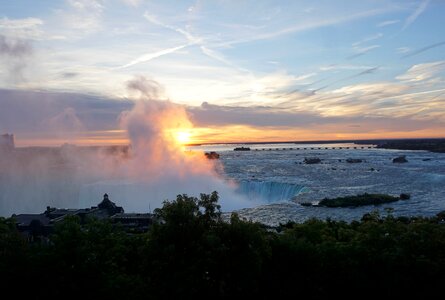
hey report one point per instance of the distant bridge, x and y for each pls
(317, 148)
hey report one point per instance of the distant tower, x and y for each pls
(7, 142)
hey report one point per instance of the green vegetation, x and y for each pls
(194, 253)
(358, 200)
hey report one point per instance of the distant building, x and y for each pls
(41, 225)
(7, 142)
(134, 222)
(110, 206)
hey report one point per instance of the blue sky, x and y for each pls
(360, 63)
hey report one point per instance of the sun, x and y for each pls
(183, 137)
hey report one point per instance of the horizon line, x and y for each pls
(252, 142)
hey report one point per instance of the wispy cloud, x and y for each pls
(305, 76)
(382, 88)
(345, 67)
(193, 39)
(262, 117)
(218, 57)
(134, 3)
(418, 51)
(201, 51)
(421, 72)
(362, 51)
(149, 56)
(82, 17)
(403, 50)
(419, 10)
(359, 74)
(368, 39)
(95, 5)
(310, 25)
(27, 28)
(387, 23)
(190, 38)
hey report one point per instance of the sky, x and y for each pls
(243, 70)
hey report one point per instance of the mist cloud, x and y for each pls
(14, 48)
(15, 54)
(159, 165)
(154, 168)
(149, 89)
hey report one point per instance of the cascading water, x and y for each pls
(268, 191)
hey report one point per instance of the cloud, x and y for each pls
(368, 39)
(344, 67)
(263, 116)
(32, 113)
(149, 56)
(368, 70)
(81, 17)
(220, 58)
(134, 3)
(68, 75)
(380, 88)
(194, 40)
(190, 38)
(208, 115)
(305, 76)
(419, 10)
(422, 72)
(95, 5)
(380, 106)
(362, 51)
(418, 51)
(387, 23)
(27, 28)
(403, 50)
(308, 25)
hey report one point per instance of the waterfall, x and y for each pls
(268, 191)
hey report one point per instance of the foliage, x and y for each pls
(358, 200)
(192, 252)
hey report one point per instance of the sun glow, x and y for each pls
(183, 137)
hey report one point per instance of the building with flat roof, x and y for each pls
(41, 225)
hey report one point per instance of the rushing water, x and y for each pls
(270, 182)
(280, 178)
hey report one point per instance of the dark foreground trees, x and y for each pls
(194, 253)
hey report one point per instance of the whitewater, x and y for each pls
(266, 184)
(276, 175)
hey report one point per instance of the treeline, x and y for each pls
(193, 253)
(433, 145)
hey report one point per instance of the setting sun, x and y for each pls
(183, 137)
